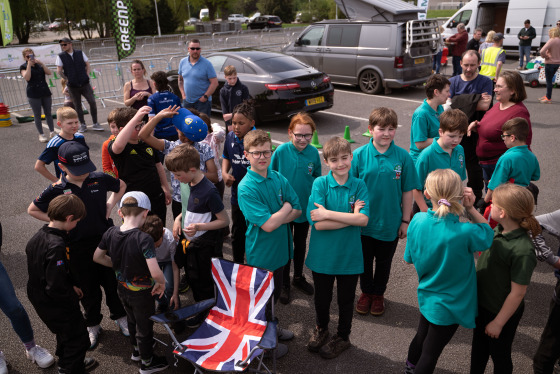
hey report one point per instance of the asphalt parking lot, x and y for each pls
(380, 344)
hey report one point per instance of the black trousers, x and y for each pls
(139, 306)
(499, 349)
(91, 277)
(299, 232)
(238, 232)
(548, 350)
(474, 171)
(346, 291)
(427, 345)
(76, 94)
(382, 252)
(277, 274)
(158, 206)
(198, 264)
(65, 320)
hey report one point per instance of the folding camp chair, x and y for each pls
(236, 330)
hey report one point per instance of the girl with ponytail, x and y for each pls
(441, 249)
(503, 274)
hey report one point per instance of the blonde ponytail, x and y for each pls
(519, 204)
(446, 191)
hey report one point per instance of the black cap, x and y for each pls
(498, 36)
(75, 156)
(65, 40)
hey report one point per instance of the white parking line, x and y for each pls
(382, 97)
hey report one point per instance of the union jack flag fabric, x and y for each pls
(237, 322)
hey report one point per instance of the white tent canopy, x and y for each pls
(378, 10)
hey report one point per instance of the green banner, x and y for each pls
(123, 27)
(6, 25)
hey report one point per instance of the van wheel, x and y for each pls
(370, 82)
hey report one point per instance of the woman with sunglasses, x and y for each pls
(38, 92)
(137, 91)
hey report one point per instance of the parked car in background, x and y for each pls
(280, 85)
(399, 55)
(238, 18)
(56, 25)
(192, 21)
(265, 22)
(257, 14)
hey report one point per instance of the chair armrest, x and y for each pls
(183, 313)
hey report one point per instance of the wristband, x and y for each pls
(407, 222)
(205, 96)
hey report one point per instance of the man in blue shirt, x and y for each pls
(197, 80)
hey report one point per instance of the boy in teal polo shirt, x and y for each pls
(444, 153)
(518, 165)
(337, 208)
(269, 204)
(425, 120)
(390, 177)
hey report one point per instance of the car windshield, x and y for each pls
(274, 19)
(279, 64)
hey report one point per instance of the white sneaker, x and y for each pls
(97, 127)
(43, 138)
(93, 333)
(52, 134)
(40, 356)
(122, 323)
(3, 364)
(83, 127)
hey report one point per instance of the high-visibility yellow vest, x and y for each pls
(489, 62)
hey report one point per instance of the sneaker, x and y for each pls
(52, 134)
(303, 285)
(97, 127)
(89, 363)
(408, 369)
(93, 333)
(83, 127)
(377, 305)
(285, 295)
(281, 351)
(157, 364)
(519, 68)
(3, 364)
(284, 334)
(364, 303)
(183, 284)
(43, 138)
(122, 324)
(334, 347)
(40, 356)
(545, 100)
(319, 338)
(136, 353)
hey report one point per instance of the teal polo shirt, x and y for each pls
(387, 175)
(434, 157)
(300, 169)
(441, 250)
(338, 251)
(259, 198)
(425, 125)
(518, 165)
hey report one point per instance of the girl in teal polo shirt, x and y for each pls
(445, 266)
(300, 164)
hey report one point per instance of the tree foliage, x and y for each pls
(145, 17)
(281, 8)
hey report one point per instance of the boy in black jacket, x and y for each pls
(232, 94)
(51, 289)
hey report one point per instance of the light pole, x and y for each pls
(47, 8)
(157, 19)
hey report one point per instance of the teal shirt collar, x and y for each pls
(518, 148)
(333, 183)
(438, 148)
(256, 176)
(449, 217)
(387, 153)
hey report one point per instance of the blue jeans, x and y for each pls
(203, 107)
(487, 171)
(436, 65)
(13, 309)
(167, 269)
(524, 50)
(549, 71)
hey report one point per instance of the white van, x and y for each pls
(204, 13)
(507, 17)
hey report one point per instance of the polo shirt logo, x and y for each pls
(67, 191)
(310, 168)
(150, 151)
(238, 92)
(398, 171)
(461, 160)
(280, 195)
(352, 202)
(133, 152)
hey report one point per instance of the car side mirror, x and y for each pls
(297, 42)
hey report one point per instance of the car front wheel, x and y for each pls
(370, 82)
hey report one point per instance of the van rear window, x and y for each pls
(343, 36)
(380, 41)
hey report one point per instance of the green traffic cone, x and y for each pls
(51, 83)
(347, 135)
(55, 75)
(92, 74)
(315, 141)
(118, 70)
(367, 133)
(273, 146)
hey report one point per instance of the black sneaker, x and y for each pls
(285, 295)
(183, 284)
(135, 355)
(303, 285)
(157, 364)
(319, 338)
(334, 347)
(90, 363)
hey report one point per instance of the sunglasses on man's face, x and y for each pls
(194, 49)
(63, 45)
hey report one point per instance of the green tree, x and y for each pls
(145, 18)
(281, 8)
(23, 12)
